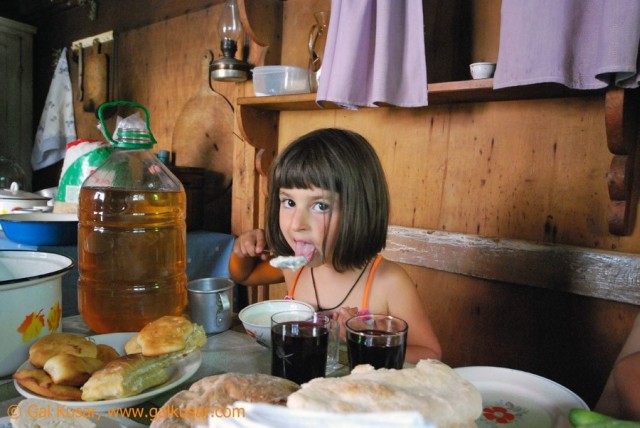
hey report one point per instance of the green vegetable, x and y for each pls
(581, 418)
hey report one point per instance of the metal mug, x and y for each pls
(210, 303)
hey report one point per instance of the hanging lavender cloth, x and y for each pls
(582, 44)
(374, 54)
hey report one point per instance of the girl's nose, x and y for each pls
(299, 220)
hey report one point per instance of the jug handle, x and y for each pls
(313, 36)
(121, 103)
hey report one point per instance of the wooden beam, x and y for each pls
(596, 273)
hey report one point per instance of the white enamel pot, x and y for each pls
(14, 199)
(30, 302)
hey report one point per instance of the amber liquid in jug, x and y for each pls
(131, 236)
(133, 268)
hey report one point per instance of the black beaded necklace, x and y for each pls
(315, 290)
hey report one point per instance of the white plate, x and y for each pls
(180, 371)
(513, 398)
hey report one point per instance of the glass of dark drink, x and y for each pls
(299, 342)
(379, 340)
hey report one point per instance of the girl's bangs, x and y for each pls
(305, 175)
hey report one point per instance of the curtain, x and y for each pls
(374, 54)
(582, 44)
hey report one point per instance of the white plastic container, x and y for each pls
(280, 80)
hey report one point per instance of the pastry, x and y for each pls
(37, 413)
(39, 382)
(127, 376)
(132, 346)
(67, 369)
(106, 353)
(170, 334)
(60, 343)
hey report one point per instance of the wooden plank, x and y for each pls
(603, 274)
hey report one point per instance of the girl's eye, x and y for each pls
(322, 207)
(288, 203)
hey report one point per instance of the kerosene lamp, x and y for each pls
(228, 68)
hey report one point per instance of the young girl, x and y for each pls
(328, 191)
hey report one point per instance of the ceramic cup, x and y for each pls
(482, 70)
(378, 340)
(299, 343)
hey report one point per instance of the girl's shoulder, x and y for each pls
(390, 273)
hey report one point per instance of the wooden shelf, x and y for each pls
(258, 118)
(439, 93)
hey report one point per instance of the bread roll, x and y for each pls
(60, 343)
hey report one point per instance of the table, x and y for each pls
(230, 351)
(207, 256)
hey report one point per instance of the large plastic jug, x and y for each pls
(131, 236)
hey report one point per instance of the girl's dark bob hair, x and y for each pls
(344, 163)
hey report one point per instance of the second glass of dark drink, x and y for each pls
(378, 340)
(299, 343)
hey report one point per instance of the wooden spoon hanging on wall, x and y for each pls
(203, 133)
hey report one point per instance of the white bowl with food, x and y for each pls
(256, 318)
(30, 302)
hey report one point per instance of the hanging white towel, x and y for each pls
(57, 125)
(374, 54)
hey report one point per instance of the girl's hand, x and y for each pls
(251, 244)
(342, 315)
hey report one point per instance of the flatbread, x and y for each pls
(60, 343)
(221, 391)
(431, 388)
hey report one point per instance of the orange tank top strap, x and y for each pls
(292, 290)
(367, 287)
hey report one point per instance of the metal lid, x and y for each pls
(15, 193)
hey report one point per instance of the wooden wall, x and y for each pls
(530, 170)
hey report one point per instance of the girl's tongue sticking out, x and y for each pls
(305, 250)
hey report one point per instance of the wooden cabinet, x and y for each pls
(16, 133)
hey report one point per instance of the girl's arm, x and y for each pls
(404, 302)
(626, 374)
(249, 263)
